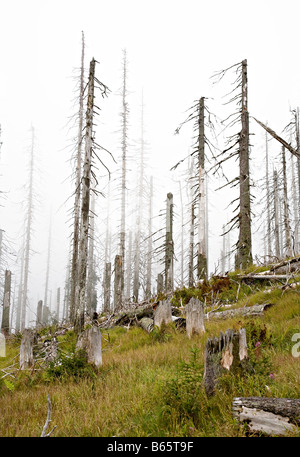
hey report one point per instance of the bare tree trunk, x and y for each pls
(28, 235)
(57, 304)
(129, 267)
(76, 226)
(107, 287)
(90, 342)
(47, 269)
(276, 215)
(169, 253)
(244, 255)
(286, 218)
(91, 293)
(163, 313)
(160, 283)
(85, 206)
(149, 254)
(295, 199)
(191, 247)
(202, 248)
(123, 184)
(194, 317)
(118, 284)
(26, 351)
(6, 303)
(181, 239)
(39, 314)
(269, 251)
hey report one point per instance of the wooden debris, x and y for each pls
(194, 317)
(271, 416)
(48, 420)
(253, 311)
(147, 324)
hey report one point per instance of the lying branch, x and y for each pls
(48, 420)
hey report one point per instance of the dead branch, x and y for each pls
(48, 420)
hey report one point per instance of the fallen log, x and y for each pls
(255, 310)
(147, 324)
(272, 416)
(264, 277)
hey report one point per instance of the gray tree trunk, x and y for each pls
(107, 287)
(90, 342)
(160, 283)
(149, 248)
(244, 246)
(163, 313)
(6, 303)
(129, 267)
(276, 215)
(26, 351)
(202, 213)
(194, 317)
(57, 304)
(76, 226)
(286, 218)
(85, 205)
(39, 314)
(169, 248)
(269, 249)
(118, 284)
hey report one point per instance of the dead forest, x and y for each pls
(146, 269)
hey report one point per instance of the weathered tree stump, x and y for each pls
(163, 313)
(226, 353)
(194, 317)
(272, 416)
(26, 351)
(90, 342)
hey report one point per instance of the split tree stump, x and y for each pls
(226, 353)
(90, 342)
(163, 313)
(194, 317)
(272, 416)
(26, 351)
(147, 324)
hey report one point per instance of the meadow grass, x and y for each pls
(151, 385)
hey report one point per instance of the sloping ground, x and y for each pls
(152, 384)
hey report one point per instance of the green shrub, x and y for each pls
(70, 366)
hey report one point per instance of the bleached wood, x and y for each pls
(26, 351)
(163, 313)
(194, 317)
(272, 416)
(90, 342)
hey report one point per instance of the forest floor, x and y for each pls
(151, 385)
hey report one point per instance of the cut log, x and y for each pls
(255, 310)
(26, 351)
(272, 416)
(90, 342)
(194, 317)
(147, 324)
(163, 313)
(226, 353)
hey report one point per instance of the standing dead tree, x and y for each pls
(238, 146)
(87, 176)
(5, 328)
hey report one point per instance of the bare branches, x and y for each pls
(48, 420)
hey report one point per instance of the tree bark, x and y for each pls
(39, 314)
(6, 303)
(194, 317)
(118, 284)
(147, 324)
(169, 249)
(90, 342)
(85, 205)
(26, 351)
(272, 416)
(163, 313)
(244, 255)
(286, 218)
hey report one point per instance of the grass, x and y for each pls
(151, 385)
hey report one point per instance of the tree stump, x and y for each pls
(272, 416)
(26, 351)
(226, 353)
(90, 342)
(163, 313)
(194, 317)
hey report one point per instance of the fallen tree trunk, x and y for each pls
(147, 324)
(255, 310)
(272, 416)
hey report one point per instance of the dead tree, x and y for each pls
(169, 246)
(39, 314)
(286, 218)
(150, 242)
(276, 215)
(118, 284)
(28, 234)
(269, 249)
(5, 328)
(76, 222)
